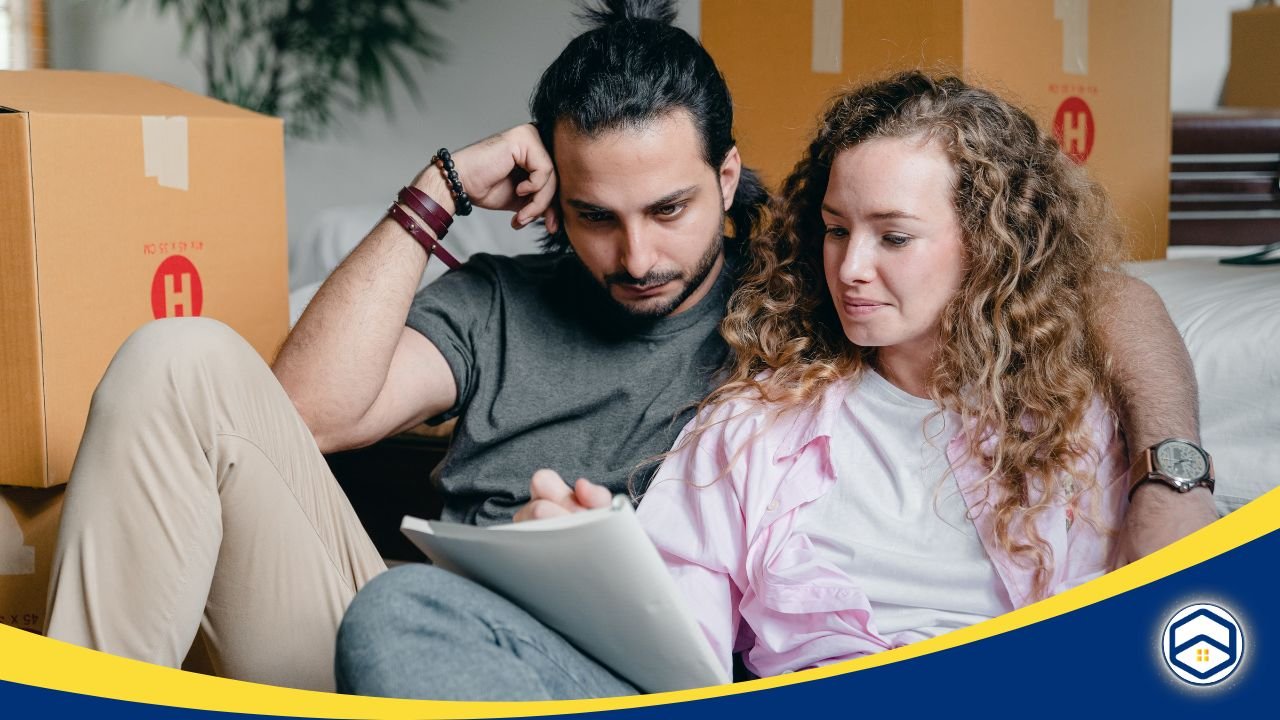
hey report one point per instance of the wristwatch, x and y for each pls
(1180, 464)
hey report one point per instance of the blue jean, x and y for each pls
(417, 631)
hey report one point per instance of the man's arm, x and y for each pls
(353, 369)
(1156, 388)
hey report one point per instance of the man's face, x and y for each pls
(645, 213)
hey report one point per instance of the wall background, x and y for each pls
(1201, 49)
(497, 49)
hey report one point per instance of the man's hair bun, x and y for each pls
(604, 13)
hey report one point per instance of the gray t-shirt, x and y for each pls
(550, 374)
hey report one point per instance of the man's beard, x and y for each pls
(692, 282)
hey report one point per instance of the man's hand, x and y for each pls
(509, 171)
(551, 496)
(1160, 515)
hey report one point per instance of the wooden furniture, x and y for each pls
(1225, 179)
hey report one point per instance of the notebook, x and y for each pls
(595, 578)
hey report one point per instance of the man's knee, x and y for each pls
(408, 592)
(416, 600)
(162, 349)
(176, 338)
(394, 606)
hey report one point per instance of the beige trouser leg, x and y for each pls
(199, 500)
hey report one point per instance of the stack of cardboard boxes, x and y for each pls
(121, 201)
(1096, 74)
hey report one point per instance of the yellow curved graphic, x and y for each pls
(41, 662)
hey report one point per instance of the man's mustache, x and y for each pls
(649, 280)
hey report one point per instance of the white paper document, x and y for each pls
(595, 578)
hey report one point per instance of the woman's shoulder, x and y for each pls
(775, 427)
(730, 420)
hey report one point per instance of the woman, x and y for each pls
(914, 434)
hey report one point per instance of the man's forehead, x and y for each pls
(643, 162)
(569, 129)
(672, 133)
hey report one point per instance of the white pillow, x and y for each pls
(1229, 316)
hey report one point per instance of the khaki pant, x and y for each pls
(200, 502)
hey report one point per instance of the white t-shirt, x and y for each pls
(895, 521)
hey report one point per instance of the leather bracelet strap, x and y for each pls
(427, 242)
(428, 209)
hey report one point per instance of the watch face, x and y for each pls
(1181, 461)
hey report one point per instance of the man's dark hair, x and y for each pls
(631, 68)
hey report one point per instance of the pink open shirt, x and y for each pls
(756, 585)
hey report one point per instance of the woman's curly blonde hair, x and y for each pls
(1019, 354)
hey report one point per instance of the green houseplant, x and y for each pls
(308, 60)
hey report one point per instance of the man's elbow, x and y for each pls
(318, 419)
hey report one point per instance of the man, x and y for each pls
(200, 499)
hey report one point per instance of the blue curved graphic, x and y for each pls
(1030, 672)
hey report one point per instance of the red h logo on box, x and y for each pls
(1073, 126)
(176, 290)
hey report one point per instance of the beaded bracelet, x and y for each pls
(443, 160)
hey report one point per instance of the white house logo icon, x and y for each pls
(1203, 644)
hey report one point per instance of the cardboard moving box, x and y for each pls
(28, 532)
(121, 201)
(1253, 79)
(1097, 73)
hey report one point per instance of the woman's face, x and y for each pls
(893, 250)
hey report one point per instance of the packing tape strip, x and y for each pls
(164, 150)
(828, 36)
(1074, 15)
